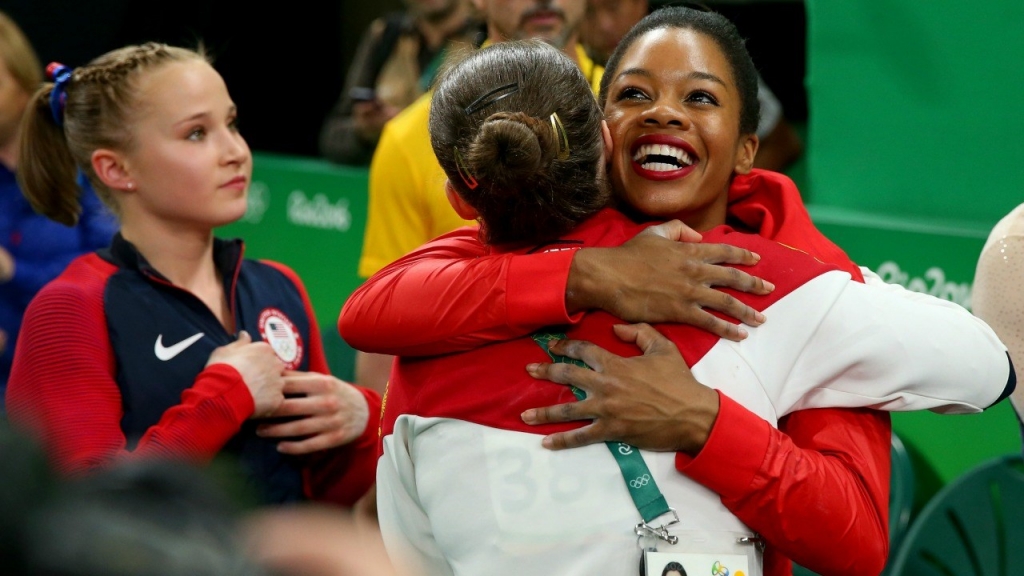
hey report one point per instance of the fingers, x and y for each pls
(591, 354)
(309, 383)
(726, 304)
(674, 230)
(243, 338)
(563, 373)
(715, 254)
(649, 339)
(315, 432)
(721, 328)
(307, 406)
(573, 438)
(326, 413)
(312, 394)
(308, 445)
(570, 374)
(304, 435)
(646, 337)
(301, 427)
(567, 412)
(735, 278)
(725, 254)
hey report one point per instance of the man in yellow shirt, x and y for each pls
(407, 203)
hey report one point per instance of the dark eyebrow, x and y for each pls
(633, 72)
(696, 75)
(707, 76)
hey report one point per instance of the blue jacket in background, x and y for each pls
(41, 249)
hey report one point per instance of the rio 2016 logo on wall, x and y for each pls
(933, 282)
(318, 212)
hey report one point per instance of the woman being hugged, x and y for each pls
(170, 344)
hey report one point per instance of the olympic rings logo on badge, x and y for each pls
(640, 481)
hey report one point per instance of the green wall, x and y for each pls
(915, 106)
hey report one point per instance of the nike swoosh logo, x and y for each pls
(168, 352)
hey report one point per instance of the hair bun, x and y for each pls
(511, 147)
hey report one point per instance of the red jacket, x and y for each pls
(816, 489)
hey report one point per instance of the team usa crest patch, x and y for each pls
(278, 331)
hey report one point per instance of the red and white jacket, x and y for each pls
(464, 486)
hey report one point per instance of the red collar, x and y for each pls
(769, 204)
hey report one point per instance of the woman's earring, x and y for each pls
(131, 186)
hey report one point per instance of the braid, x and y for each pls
(99, 103)
(115, 67)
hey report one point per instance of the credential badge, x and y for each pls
(278, 331)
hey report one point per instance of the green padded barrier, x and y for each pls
(310, 215)
(972, 526)
(901, 492)
(915, 106)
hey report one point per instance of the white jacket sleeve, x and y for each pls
(881, 346)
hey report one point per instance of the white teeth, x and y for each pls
(647, 150)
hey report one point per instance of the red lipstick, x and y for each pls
(667, 140)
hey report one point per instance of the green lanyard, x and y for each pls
(643, 489)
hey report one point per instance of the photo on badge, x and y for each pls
(692, 564)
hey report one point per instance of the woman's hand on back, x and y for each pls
(650, 401)
(665, 274)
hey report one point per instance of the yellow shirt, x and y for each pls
(407, 206)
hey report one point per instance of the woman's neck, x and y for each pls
(701, 220)
(707, 219)
(184, 256)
